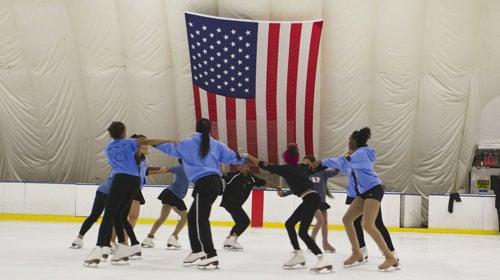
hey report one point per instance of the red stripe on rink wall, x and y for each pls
(257, 208)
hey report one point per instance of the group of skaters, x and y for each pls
(200, 158)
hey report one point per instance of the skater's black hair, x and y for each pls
(361, 136)
(116, 130)
(179, 160)
(311, 158)
(137, 136)
(204, 126)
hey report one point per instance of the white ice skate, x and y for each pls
(356, 258)
(121, 254)
(297, 260)
(147, 243)
(209, 263)
(322, 265)
(112, 244)
(231, 243)
(194, 257)
(135, 251)
(364, 251)
(173, 243)
(106, 252)
(77, 243)
(94, 258)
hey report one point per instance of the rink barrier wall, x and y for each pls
(401, 212)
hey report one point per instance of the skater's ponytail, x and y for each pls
(204, 126)
(361, 136)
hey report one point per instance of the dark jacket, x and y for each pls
(295, 175)
(238, 187)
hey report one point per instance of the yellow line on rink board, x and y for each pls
(73, 219)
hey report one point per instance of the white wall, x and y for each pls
(475, 212)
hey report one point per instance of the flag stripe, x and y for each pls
(301, 85)
(291, 91)
(212, 114)
(252, 129)
(221, 118)
(197, 105)
(241, 124)
(232, 138)
(203, 103)
(272, 68)
(311, 80)
(260, 90)
(281, 106)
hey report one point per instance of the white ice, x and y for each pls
(40, 251)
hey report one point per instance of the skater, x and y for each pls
(320, 181)
(130, 217)
(172, 199)
(100, 202)
(369, 192)
(126, 183)
(297, 177)
(239, 185)
(201, 157)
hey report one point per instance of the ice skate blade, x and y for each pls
(209, 266)
(392, 268)
(358, 263)
(193, 262)
(330, 251)
(172, 247)
(74, 246)
(91, 263)
(136, 256)
(324, 269)
(146, 246)
(301, 265)
(231, 248)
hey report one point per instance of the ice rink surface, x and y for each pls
(41, 251)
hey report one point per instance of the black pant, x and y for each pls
(498, 212)
(379, 223)
(304, 214)
(128, 227)
(97, 209)
(205, 192)
(123, 190)
(241, 219)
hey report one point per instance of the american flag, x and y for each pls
(255, 81)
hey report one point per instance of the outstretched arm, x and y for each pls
(153, 142)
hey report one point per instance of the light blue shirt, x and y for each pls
(195, 166)
(361, 164)
(181, 183)
(121, 156)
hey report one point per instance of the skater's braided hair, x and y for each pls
(204, 126)
(138, 157)
(361, 136)
(116, 130)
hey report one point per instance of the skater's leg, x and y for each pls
(317, 226)
(379, 223)
(310, 205)
(353, 212)
(135, 210)
(193, 226)
(112, 210)
(97, 209)
(359, 232)
(165, 210)
(370, 212)
(181, 223)
(324, 232)
(123, 219)
(290, 227)
(241, 219)
(203, 214)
